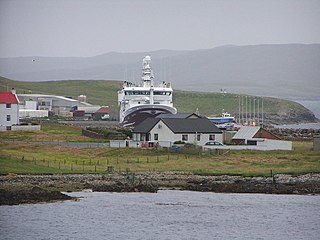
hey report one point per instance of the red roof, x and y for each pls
(8, 97)
(104, 110)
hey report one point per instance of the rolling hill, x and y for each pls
(283, 71)
(104, 92)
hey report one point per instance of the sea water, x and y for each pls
(165, 215)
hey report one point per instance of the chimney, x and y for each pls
(13, 91)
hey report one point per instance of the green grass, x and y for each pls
(103, 92)
(49, 132)
(37, 158)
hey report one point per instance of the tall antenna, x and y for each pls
(250, 117)
(262, 110)
(254, 109)
(239, 117)
(258, 113)
(246, 110)
(242, 110)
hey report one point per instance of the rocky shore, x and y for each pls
(30, 195)
(16, 189)
(299, 134)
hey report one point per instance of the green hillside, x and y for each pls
(103, 92)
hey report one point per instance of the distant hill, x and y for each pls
(104, 92)
(284, 70)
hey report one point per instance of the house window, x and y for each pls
(198, 137)
(184, 137)
(212, 137)
(156, 137)
(8, 128)
(8, 105)
(8, 118)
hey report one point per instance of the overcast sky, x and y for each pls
(92, 27)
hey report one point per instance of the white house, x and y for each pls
(9, 110)
(189, 130)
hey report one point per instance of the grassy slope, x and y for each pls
(105, 93)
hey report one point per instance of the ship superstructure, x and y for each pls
(140, 101)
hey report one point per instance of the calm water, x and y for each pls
(166, 215)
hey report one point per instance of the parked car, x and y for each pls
(213, 144)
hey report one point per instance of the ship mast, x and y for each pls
(147, 75)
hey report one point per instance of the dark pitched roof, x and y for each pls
(177, 125)
(177, 115)
(191, 125)
(146, 125)
(8, 97)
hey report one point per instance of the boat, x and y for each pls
(225, 118)
(145, 99)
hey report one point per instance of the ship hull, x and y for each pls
(136, 115)
(221, 120)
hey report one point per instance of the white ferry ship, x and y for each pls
(140, 101)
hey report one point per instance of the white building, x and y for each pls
(189, 130)
(9, 110)
(58, 105)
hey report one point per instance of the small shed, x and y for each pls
(248, 134)
(257, 136)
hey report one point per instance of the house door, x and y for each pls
(148, 137)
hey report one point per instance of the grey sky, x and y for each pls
(93, 27)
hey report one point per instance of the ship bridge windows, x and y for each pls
(162, 93)
(137, 92)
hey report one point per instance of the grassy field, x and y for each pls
(104, 92)
(50, 132)
(32, 158)
(21, 153)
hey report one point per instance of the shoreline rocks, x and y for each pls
(299, 134)
(33, 195)
(17, 189)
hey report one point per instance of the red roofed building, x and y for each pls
(9, 110)
(105, 113)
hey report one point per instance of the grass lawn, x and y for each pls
(50, 132)
(37, 159)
